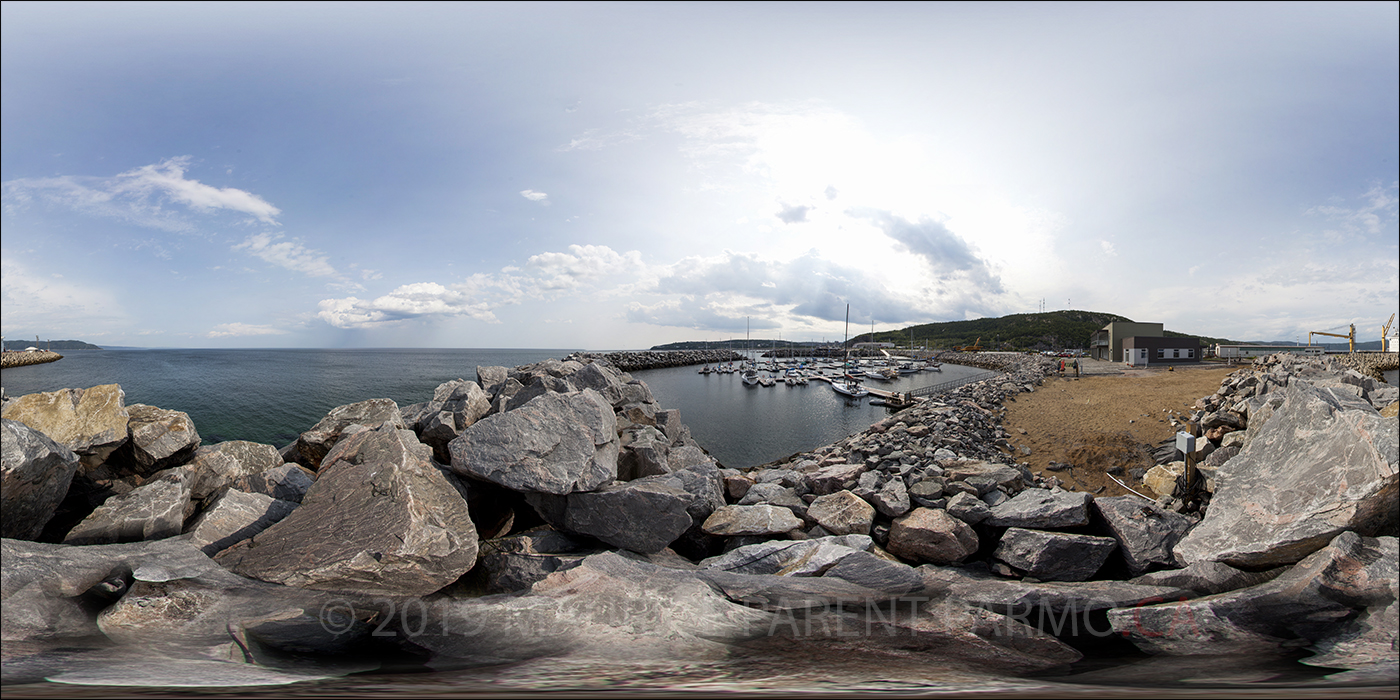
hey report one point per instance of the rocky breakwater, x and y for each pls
(999, 361)
(1370, 364)
(657, 359)
(10, 359)
(618, 540)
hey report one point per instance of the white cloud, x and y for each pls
(409, 301)
(581, 265)
(792, 213)
(1108, 249)
(140, 196)
(288, 254)
(225, 330)
(534, 196)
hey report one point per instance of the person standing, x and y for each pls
(1076, 368)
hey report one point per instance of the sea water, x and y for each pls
(271, 396)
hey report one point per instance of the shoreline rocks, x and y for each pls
(657, 359)
(649, 551)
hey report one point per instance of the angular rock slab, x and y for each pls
(959, 636)
(380, 519)
(229, 463)
(788, 557)
(931, 536)
(607, 607)
(1043, 509)
(1208, 577)
(842, 513)
(158, 438)
(892, 499)
(644, 515)
(1054, 556)
(455, 406)
(833, 478)
(1064, 602)
(968, 508)
(876, 573)
(34, 479)
(313, 445)
(517, 562)
(155, 510)
(1311, 602)
(1312, 471)
(286, 482)
(751, 520)
(90, 422)
(233, 517)
(1146, 534)
(556, 444)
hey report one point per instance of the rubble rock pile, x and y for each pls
(656, 359)
(384, 530)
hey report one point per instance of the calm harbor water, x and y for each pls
(271, 396)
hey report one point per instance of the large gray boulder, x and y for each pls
(1052, 606)
(155, 510)
(892, 500)
(788, 557)
(876, 573)
(313, 445)
(618, 609)
(842, 513)
(233, 517)
(34, 479)
(1208, 577)
(286, 482)
(90, 422)
(158, 438)
(1146, 534)
(380, 519)
(517, 562)
(1352, 579)
(555, 444)
(229, 463)
(645, 515)
(1043, 509)
(455, 406)
(1053, 556)
(1319, 466)
(931, 536)
(169, 600)
(751, 520)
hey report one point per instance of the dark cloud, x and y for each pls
(793, 214)
(946, 252)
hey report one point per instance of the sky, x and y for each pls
(608, 176)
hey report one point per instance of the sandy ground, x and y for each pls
(1109, 417)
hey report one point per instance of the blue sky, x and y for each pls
(617, 176)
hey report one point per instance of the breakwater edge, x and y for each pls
(568, 485)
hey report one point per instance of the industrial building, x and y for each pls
(1140, 351)
(1247, 351)
(1107, 343)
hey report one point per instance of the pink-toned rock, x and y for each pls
(933, 536)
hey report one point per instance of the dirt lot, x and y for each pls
(1097, 422)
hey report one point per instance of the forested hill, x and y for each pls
(1052, 330)
(54, 345)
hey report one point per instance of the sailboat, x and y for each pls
(750, 373)
(849, 387)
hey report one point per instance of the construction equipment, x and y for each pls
(976, 346)
(1386, 342)
(1350, 336)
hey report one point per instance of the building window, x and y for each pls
(1161, 353)
(1190, 353)
(1176, 354)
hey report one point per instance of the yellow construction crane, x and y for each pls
(1350, 336)
(1385, 334)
